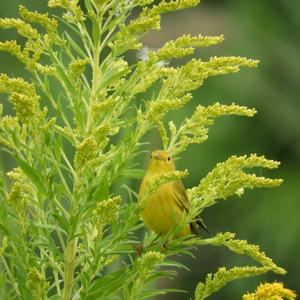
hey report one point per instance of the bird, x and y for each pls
(166, 207)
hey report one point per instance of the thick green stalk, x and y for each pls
(69, 267)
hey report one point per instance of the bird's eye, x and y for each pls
(169, 158)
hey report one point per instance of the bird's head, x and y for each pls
(161, 162)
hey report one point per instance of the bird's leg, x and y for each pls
(164, 247)
(139, 247)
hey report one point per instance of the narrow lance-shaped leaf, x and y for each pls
(33, 174)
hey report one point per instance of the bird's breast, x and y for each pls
(161, 213)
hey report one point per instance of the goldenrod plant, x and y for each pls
(267, 291)
(79, 122)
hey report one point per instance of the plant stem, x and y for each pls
(56, 280)
(95, 84)
(11, 277)
(69, 267)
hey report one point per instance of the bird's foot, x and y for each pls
(164, 247)
(139, 247)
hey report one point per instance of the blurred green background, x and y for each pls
(269, 31)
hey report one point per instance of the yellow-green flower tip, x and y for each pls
(267, 291)
(107, 210)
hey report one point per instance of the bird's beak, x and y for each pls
(157, 156)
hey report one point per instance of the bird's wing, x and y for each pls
(183, 203)
(181, 198)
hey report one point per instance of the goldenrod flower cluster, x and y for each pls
(228, 178)
(107, 210)
(271, 291)
(36, 283)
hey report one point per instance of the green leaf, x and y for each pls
(161, 274)
(34, 175)
(152, 293)
(108, 284)
(75, 46)
(55, 297)
(61, 221)
(3, 289)
(101, 192)
(96, 31)
(134, 173)
(73, 222)
(3, 209)
(65, 78)
(4, 230)
(88, 5)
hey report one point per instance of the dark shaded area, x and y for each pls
(269, 31)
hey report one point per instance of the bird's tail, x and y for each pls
(197, 226)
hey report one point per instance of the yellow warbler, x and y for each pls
(166, 208)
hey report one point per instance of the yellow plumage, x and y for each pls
(165, 209)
